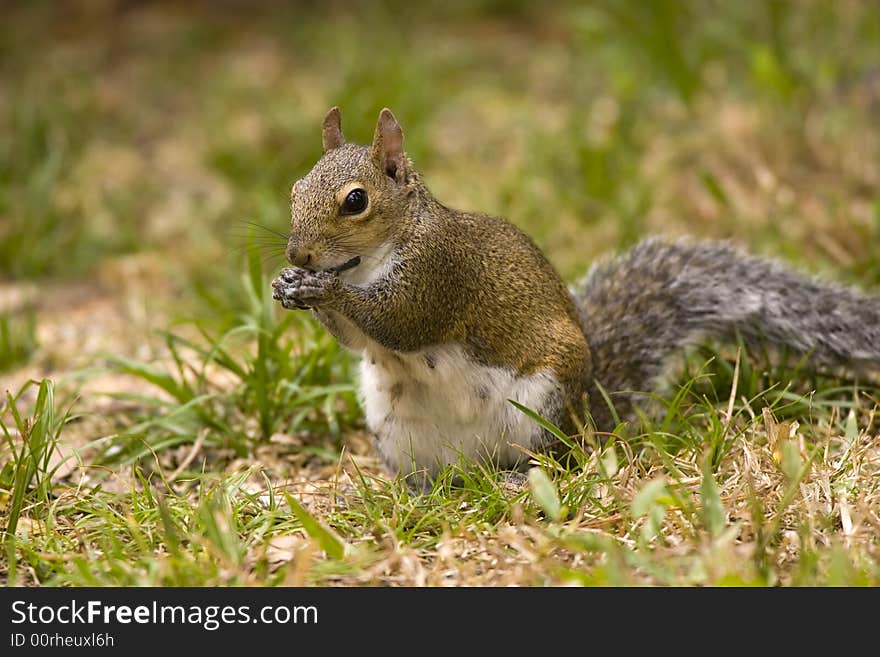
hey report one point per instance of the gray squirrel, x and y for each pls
(456, 313)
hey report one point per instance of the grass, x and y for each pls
(296, 379)
(18, 338)
(741, 499)
(173, 426)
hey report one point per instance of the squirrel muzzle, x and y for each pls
(300, 255)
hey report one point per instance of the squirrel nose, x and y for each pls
(299, 257)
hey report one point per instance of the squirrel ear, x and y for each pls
(387, 149)
(331, 130)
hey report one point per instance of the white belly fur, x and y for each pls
(426, 417)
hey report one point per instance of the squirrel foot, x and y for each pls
(298, 288)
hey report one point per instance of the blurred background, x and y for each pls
(147, 151)
(139, 139)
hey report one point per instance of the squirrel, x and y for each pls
(456, 313)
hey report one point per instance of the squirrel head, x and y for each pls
(349, 205)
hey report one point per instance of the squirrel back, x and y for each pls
(457, 314)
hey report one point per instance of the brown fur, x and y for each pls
(477, 281)
(462, 278)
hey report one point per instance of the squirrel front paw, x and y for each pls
(298, 288)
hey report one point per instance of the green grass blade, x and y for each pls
(326, 538)
(544, 493)
(713, 514)
(153, 375)
(545, 423)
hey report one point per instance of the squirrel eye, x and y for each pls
(355, 202)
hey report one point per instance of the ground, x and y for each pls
(181, 429)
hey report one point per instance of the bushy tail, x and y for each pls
(641, 307)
